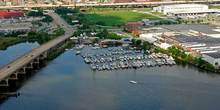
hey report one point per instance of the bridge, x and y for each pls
(35, 56)
(134, 4)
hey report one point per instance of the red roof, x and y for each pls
(12, 14)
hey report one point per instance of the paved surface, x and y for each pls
(164, 17)
(6, 71)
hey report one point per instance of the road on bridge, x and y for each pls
(15, 65)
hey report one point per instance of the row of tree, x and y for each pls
(179, 53)
(143, 45)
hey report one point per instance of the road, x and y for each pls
(15, 65)
(165, 18)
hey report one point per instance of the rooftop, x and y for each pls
(214, 55)
(200, 39)
(184, 5)
(203, 28)
(196, 11)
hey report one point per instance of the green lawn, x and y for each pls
(159, 14)
(215, 7)
(101, 10)
(118, 18)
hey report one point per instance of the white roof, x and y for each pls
(195, 11)
(183, 5)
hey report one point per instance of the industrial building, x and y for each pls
(14, 14)
(13, 27)
(183, 13)
(185, 10)
(199, 40)
(180, 7)
(213, 58)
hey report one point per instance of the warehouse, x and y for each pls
(193, 12)
(15, 14)
(212, 58)
(180, 7)
(199, 29)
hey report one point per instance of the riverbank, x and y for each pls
(6, 42)
(178, 54)
(198, 62)
(59, 51)
(32, 36)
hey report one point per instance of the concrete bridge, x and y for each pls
(36, 56)
(118, 5)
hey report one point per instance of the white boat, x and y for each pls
(78, 47)
(78, 52)
(133, 82)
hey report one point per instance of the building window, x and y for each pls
(216, 63)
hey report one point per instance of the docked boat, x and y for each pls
(93, 67)
(79, 47)
(87, 61)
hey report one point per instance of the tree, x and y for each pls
(32, 33)
(138, 43)
(96, 40)
(147, 45)
(113, 36)
(133, 41)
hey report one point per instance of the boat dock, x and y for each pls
(117, 58)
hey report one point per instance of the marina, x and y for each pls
(114, 58)
(71, 84)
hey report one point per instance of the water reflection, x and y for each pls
(68, 83)
(16, 51)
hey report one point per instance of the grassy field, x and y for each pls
(159, 14)
(118, 18)
(215, 7)
(100, 10)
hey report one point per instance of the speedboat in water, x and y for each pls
(133, 82)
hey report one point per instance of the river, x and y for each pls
(67, 83)
(15, 51)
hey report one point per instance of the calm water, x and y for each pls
(67, 83)
(15, 51)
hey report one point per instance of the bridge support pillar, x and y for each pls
(4, 83)
(36, 63)
(14, 76)
(22, 70)
(29, 65)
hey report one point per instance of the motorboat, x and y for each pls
(78, 47)
(133, 82)
(78, 52)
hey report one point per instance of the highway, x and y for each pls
(109, 4)
(15, 65)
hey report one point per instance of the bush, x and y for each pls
(47, 19)
(100, 23)
(64, 10)
(33, 13)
